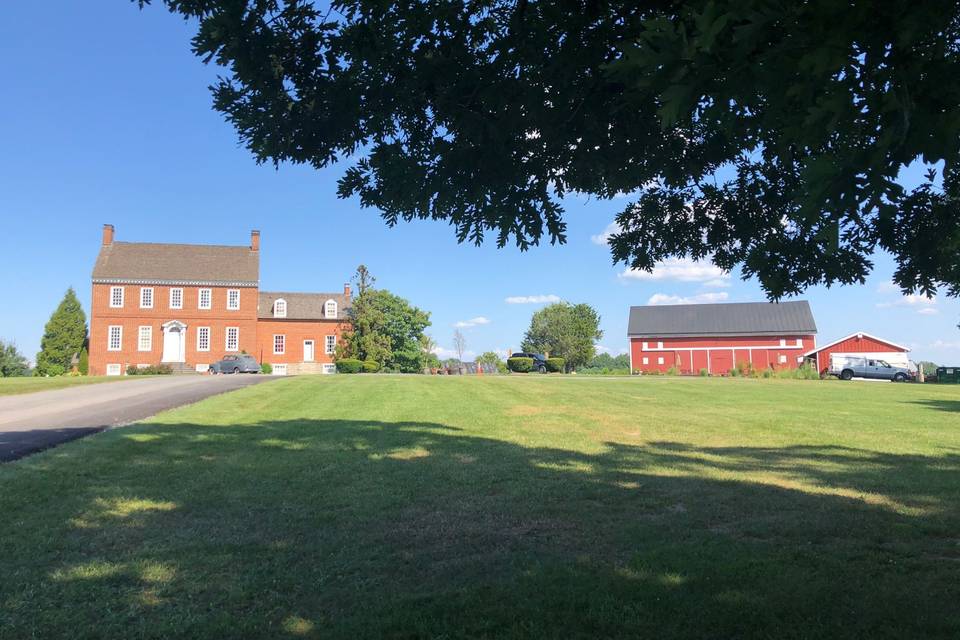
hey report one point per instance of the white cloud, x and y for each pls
(541, 299)
(888, 287)
(681, 270)
(614, 352)
(922, 304)
(604, 236)
(472, 322)
(720, 284)
(443, 353)
(700, 298)
(943, 344)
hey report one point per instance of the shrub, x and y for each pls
(673, 371)
(520, 365)
(767, 373)
(704, 373)
(349, 365)
(371, 366)
(152, 370)
(734, 373)
(556, 365)
(266, 368)
(84, 366)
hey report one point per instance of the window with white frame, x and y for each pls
(645, 346)
(280, 308)
(783, 359)
(233, 339)
(116, 297)
(329, 344)
(114, 370)
(783, 342)
(176, 298)
(114, 338)
(659, 360)
(145, 339)
(330, 309)
(146, 297)
(329, 368)
(279, 370)
(660, 346)
(204, 299)
(203, 338)
(233, 299)
(279, 344)
(646, 361)
(799, 342)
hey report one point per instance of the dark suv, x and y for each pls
(242, 363)
(539, 362)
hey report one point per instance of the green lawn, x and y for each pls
(15, 386)
(526, 507)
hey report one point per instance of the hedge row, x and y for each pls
(352, 365)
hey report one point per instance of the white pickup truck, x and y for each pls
(856, 365)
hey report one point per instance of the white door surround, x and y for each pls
(308, 351)
(174, 341)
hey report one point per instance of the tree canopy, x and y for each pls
(764, 135)
(566, 331)
(12, 362)
(63, 337)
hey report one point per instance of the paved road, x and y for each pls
(35, 421)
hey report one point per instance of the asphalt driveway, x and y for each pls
(35, 421)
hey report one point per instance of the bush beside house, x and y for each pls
(520, 365)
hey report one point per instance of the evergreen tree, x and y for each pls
(84, 362)
(62, 337)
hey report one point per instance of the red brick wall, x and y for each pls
(295, 332)
(131, 317)
(691, 354)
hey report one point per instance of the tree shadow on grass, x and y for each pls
(952, 406)
(407, 529)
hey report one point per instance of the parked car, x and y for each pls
(539, 361)
(846, 367)
(241, 363)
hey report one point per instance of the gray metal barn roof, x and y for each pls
(730, 319)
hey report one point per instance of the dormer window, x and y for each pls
(330, 309)
(280, 308)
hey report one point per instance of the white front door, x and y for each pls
(173, 343)
(308, 350)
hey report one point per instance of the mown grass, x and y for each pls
(534, 507)
(16, 386)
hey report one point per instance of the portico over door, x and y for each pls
(174, 341)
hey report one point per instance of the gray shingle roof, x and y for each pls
(736, 318)
(177, 263)
(302, 306)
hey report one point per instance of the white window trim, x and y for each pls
(284, 349)
(230, 292)
(329, 368)
(176, 306)
(781, 359)
(209, 299)
(114, 369)
(279, 369)
(660, 360)
(149, 334)
(326, 309)
(199, 331)
(646, 360)
(226, 339)
(277, 313)
(143, 291)
(327, 349)
(110, 337)
(122, 295)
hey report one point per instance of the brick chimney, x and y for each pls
(107, 234)
(346, 289)
(255, 240)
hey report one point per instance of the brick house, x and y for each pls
(189, 305)
(718, 337)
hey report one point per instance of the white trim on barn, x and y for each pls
(858, 334)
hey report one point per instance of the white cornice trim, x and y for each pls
(197, 283)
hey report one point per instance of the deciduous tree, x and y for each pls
(764, 135)
(566, 331)
(12, 362)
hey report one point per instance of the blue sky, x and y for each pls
(106, 117)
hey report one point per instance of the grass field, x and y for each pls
(533, 507)
(16, 386)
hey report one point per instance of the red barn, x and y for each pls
(717, 337)
(859, 343)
